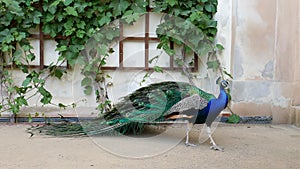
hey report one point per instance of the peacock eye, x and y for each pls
(225, 83)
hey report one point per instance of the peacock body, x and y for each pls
(158, 102)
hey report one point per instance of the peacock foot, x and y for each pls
(216, 148)
(190, 144)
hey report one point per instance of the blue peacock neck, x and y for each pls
(223, 97)
(213, 109)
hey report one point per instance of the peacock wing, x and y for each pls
(194, 101)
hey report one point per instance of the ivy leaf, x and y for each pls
(179, 62)
(212, 24)
(55, 3)
(58, 73)
(26, 81)
(14, 108)
(20, 90)
(21, 101)
(13, 7)
(104, 20)
(60, 17)
(47, 97)
(20, 36)
(109, 36)
(234, 118)
(213, 32)
(194, 40)
(194, 16)
(172, 2)
(60, 105)
(43, 91)
(154, 58)
(103, 62)
(61, 48)
(30, 57)
(29, 118)
(71, 11)
(69, 24)
(203, 49)
(81, 25)
(88, 90)
(158, 69)
(213, 65)
(86, 81)
(68, 2)
(3, 33)
(49, 29)
(52, 9)
(9, 38)
(210, 8)
(49, 17)
(168, 50)
(220, 47)
(119, 6)
(17, 57)
(130, 16)
(46, 100)
(46, 29)
(80, 33)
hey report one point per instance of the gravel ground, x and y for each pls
(246, 146)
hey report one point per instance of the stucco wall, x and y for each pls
(261, 52)
(265, 57)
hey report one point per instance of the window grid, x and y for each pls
(146, 39)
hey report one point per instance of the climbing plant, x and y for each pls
(73, 23)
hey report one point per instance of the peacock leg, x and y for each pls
(214, 145)
(188, 129)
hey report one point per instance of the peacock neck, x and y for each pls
(215, 106)
(223, 98)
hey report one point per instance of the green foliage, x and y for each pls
(234, 118)
(213, 65)
(190, 25)
(200, 13)
(79, 23)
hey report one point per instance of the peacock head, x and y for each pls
(223, 83)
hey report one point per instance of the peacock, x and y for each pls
(159, 102)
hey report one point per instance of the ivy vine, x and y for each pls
(73, 23)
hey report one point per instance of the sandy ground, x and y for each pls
(246, 146)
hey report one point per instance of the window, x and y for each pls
(44, 49)
(138, 47)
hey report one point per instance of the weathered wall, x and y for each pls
(261, 52)
(265, 57)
